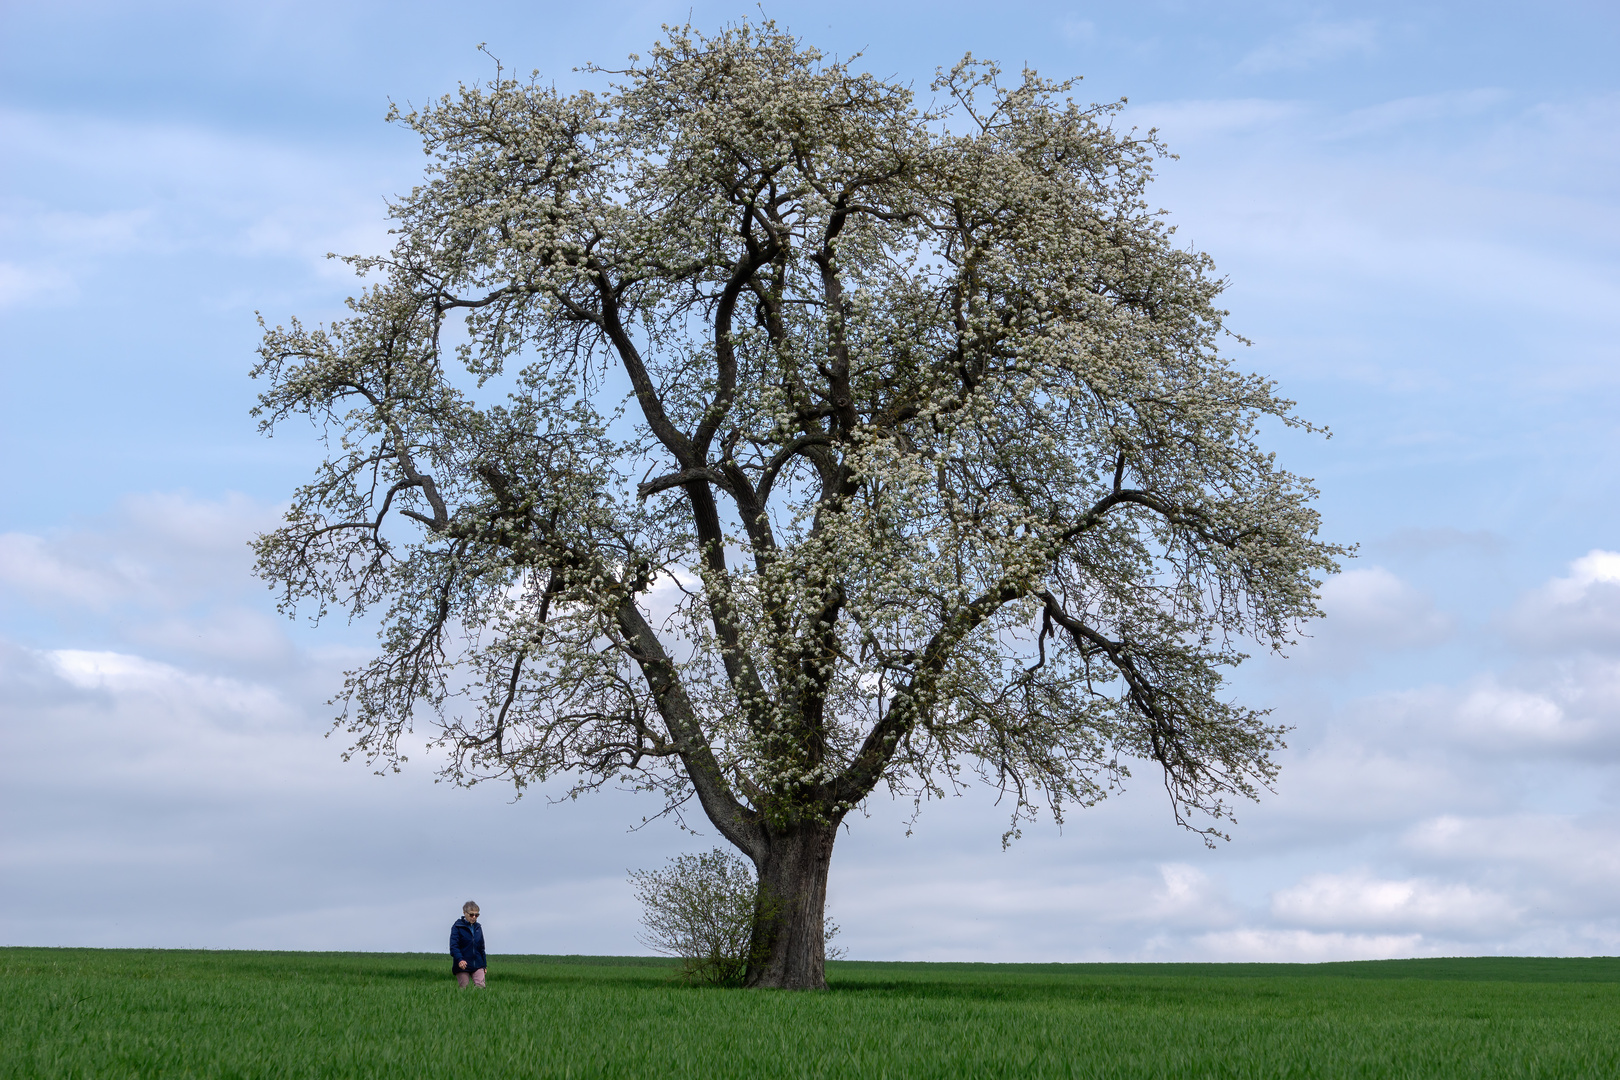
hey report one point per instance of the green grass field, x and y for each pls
(112, 1013)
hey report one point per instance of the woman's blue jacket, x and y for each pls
(467, 943)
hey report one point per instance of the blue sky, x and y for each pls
(1416, 207)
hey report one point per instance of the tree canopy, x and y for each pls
(753, 433)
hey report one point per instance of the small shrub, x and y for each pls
(701, 909)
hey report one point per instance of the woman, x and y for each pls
(467, 947)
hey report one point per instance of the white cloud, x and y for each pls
(1304, 946)
(1567, 709)
(1427, 108)
(1307, 218)
(100, 193)
(235, 635)
(1379, 610)
(193, 720)
(1181, 121)
(126, 676)
(1515, 716)
(208, 527)
(1173, 893)
(1370, 610)
(1358, 901)
(1312, 44)
(22, 285)
(1560, 872)
(1434, 541)
(1566, 858)
(1580, 611)
(103, 232)
(1079, 31)
(164, 550)
(949, 891)
(133, 789)
(1366, 771)
(28, 564)
(1185, 889)
(1596, 567)
(1584, 164)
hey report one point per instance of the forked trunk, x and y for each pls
(790, 943)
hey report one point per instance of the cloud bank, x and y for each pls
(174, 787)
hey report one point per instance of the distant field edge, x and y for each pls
(1553, 969)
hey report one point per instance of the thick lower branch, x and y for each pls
(735, 822)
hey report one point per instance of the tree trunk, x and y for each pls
(790, 945)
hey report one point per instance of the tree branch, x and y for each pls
(736, 822)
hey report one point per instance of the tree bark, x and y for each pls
(789, 950)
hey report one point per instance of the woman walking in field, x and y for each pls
(467, 947)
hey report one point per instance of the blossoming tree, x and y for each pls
(751, 433)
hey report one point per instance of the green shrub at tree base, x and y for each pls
(704, 909)
(700, 908)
